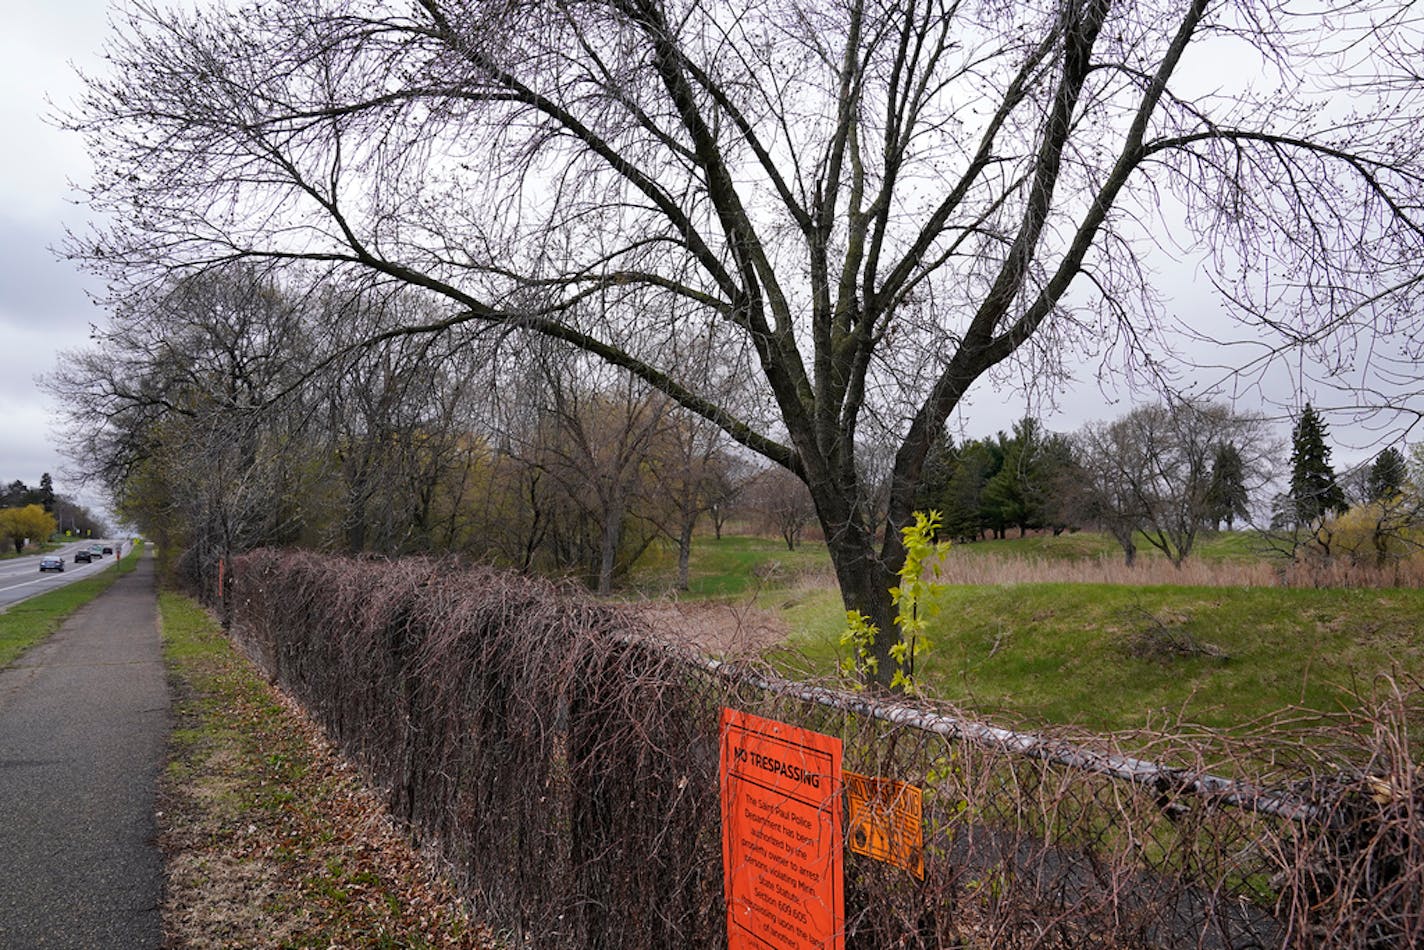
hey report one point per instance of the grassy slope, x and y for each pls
(1101, 655)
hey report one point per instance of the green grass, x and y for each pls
(732, 566)
(1104, 655)
(28, 622)
(1063, 547)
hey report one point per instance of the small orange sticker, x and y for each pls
(781, 835)
(886, 821)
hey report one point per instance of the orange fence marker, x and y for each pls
(886, 821)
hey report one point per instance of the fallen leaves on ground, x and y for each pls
(270, 837)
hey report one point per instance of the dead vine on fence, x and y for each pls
(563, 759)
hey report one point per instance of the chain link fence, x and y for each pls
(563, 761)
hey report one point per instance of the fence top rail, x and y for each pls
(1166, 779)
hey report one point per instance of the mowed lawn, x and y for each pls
(1105, 656)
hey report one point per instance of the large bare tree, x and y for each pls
(876, 203)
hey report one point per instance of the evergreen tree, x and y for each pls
(1057, 488)
(1387, 475)
(1008, 496)
(1227, 495)
(1282, 512)
(14, 494)
(975, 463)
(46, 493)
(1314, 491)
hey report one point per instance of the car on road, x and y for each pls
(108, 550)
(51, 563)
(82, 556)
(96, 550)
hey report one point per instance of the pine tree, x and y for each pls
(14, 494)
(975, 463)
(1009, 496)
(1387, 475)
(47, 492)
(1227, 495)
(1313, 488)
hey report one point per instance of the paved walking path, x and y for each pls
(83, 721)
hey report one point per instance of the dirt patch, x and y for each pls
(717, 629)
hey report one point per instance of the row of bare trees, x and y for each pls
(1167, 473)
(1162, 473)
(225, 419)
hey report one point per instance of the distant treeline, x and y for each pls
(69, 516)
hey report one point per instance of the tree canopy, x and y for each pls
(1227, 496)
(1160, 472)
(29, 523)
(869, 206)
(1387, 476)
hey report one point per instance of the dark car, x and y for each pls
(108, 550)
(52, 563)
(83, 557)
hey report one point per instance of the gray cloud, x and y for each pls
(35, 286)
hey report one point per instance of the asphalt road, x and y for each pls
(83, 722)
(21, 577)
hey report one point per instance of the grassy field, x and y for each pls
(1110, 656)
(733, 566)
(1107, 656)
(30, 621)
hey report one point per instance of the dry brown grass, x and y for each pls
(1350, 573)
(990, 569)
(718, 629)
(959, 567)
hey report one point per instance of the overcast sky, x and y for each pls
(44, 308)
(43, 305)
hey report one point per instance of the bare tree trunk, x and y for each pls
(865, 584)
(608, 549)
(684, 554)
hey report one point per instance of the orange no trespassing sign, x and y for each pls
(886, 821)
(781, 835)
